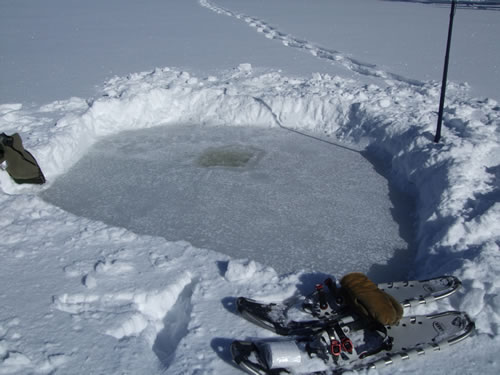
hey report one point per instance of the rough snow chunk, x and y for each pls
(3, 348)
(131, 327)
(473, 301)
(57, 360)
(385, 103)
(496, 304)
(89, 281)
(240, 270)
(245, 67)
(14, 362)
(154, 304)
(6, 108)
(114, 267)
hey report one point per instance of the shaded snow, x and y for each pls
(121, 284)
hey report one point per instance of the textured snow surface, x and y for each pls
(82, 297)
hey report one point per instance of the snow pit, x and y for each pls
(265, 194)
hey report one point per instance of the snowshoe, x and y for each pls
(305, 315)
(342, 347)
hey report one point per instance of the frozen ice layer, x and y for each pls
(228, 156)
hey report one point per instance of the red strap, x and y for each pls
(335, 348)
(347, 345)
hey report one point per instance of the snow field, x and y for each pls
(147, 300)
(82, 297)
(125, 286)
(380, 39)
(322, 53)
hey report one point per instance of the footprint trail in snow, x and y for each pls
(288, 40)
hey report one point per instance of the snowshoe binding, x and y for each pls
(356, 345)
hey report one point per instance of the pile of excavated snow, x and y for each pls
(124, 284)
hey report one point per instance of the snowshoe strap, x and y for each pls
(385, 345)
(323, 302)
(335, 345)
(339, 342)
(345, 342)
(336, 292)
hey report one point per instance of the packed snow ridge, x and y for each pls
(455, 183)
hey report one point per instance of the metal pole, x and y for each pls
(445, 74)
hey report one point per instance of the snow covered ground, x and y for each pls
(83, 297)
(68, 47)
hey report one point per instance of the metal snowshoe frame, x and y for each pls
(408, 293)
(327, 307)
(424, 289)
(410, 338)
(401, 351)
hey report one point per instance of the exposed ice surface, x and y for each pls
(298, 203)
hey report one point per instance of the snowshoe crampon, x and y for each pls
(325, 352)
(306, 315)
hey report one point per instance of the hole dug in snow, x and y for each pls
(175, 327)
(264, 194)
